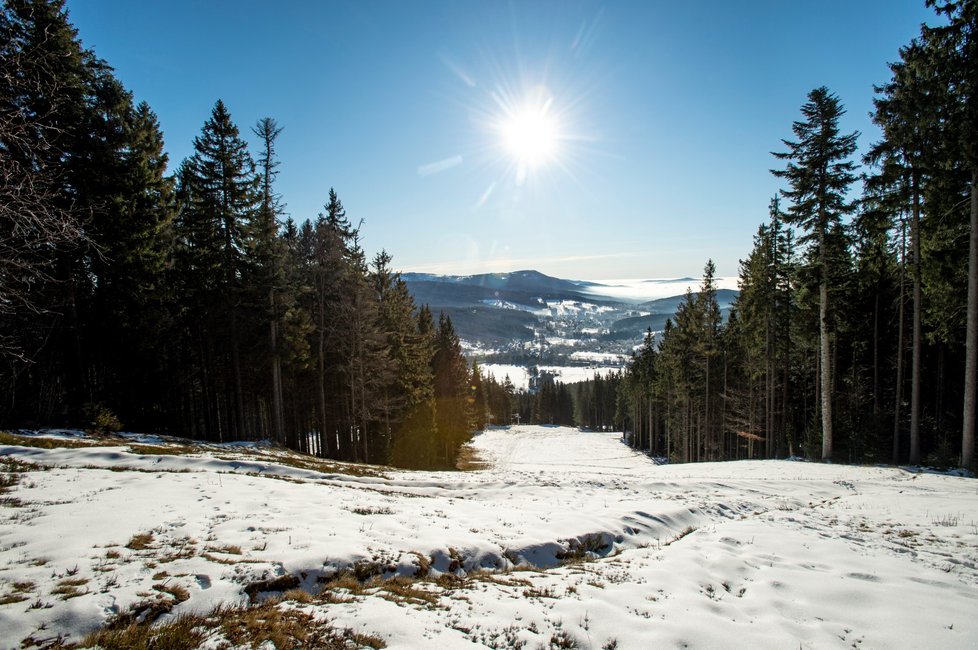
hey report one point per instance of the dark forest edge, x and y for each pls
(185, 304)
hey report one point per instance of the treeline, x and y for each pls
(855, 340)
(185, 303)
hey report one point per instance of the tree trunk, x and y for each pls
(971, 357)
(278, 421)
(826, 374)
(898, 400)
(915, 370)
(324, 443)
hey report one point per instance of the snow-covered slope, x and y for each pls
(565, 537)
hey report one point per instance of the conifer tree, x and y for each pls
(269, 258)
(216, 225)
(819, 172)
(451, 384)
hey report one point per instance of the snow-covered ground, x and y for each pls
(565, 538)
(520, 375)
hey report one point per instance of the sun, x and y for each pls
(529, 130)
(530, 134)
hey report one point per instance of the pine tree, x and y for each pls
(954, 53)
(216, 225)
(269, 259)
(451, 384)
(819, 173)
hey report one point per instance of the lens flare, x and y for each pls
(531, 134)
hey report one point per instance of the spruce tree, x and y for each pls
(216, 226)
(819, 172)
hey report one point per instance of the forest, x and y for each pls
(189, 303)
(853, 337)
(185, 303)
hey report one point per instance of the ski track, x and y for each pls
(783, 554)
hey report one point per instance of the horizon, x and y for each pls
(483, 137)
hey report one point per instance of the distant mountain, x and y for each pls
(522, 281)
(527, 314)
(725, 298)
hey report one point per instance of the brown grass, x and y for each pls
(247, 626)
(179, 593)
(140, 542)
(7, 438)
(69, 588)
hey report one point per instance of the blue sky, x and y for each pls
(664, 114)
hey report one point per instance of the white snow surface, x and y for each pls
(749, 554)
(520, 375)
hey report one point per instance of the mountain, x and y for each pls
(529, 317)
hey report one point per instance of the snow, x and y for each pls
(520, 375)
(600, 357)
(735, 555)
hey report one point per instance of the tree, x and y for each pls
(954, 49)
(819, 172)
(268, 257)
(451, 383)
(216, 229)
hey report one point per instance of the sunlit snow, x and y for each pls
(621, 550)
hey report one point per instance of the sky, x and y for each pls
(587, 140)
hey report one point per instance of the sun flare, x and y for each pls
(529, 131)
(531, 135)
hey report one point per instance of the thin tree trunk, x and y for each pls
(898, 401)
(278, 422)
(826, 375)
(971, 356)
(915, 370)
(324, 444)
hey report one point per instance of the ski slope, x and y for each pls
(565, 537)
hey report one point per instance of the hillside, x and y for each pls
(562, 538)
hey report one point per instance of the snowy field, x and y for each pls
(565, 539)
(520, 375)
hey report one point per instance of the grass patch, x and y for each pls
(688, 530)
(69, 588)
(279, 584)
(38, 442)
(244, 626)
(10, 599)
(182, 633)
(468, 460)
(140, 542)
(179, 593)
(403, 590)
(366, 510)
(162, 450)
(230, 549)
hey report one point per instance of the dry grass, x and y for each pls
(279, 584)
(162, 450)
(688, 530)
(7, 438)
(229, 549)
(140, 541)
(469, 460)
(246, 626)
(179, 593)
(69, 588)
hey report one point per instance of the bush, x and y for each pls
(101, 420)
